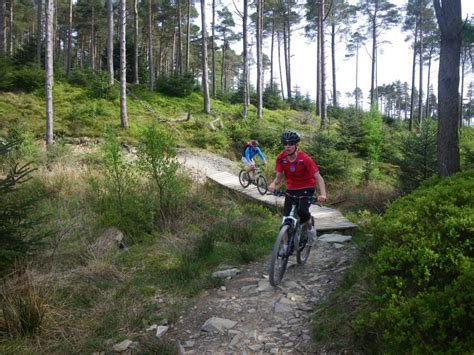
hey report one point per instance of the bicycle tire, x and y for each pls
(303, 249)
(278, 264)
(244, 178)
(262, 186)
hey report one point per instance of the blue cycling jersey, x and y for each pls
(250, 152)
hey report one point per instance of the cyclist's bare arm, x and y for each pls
(276, 182)
(322, 187)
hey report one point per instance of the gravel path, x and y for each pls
(251, 316)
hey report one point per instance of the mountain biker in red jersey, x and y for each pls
(301, 175)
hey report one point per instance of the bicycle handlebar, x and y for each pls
(313, 199)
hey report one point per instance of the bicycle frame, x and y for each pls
(290, 234)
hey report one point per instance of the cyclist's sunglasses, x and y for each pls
(287, 143)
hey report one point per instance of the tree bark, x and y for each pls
(180, 40)
(123, 64)
(110, 41)
(49, 78)
(151, 73)
(420, 95)
(373, 98)
(333, 56)
(10, 32)
(136, 79)
(213, 49)
(245, 76)
(205, 84)
(259, 58)
(412, 98)
(2, 29)
(188, 35)
(323, 70)
(449, 18)
(69, 40)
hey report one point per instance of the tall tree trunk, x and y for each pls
(205, 84)
(180, 40)
(10, 32)
(373, 99)
(323, 71)
(357, 99)
(259, 59)
(224, 45)
(463, 61)
(287, 55)
(123, 64)
(280, 67)
(188, 35)
(318, 65)
(151, 73)
(428, 82)
(2, 28)
(92, 52)
(450, 25)
(420, 96)
(49, 78)
(39, 31)
(213, 49)
(333, 56)
(272, 47)
(412, 98)
(136, 79)
(110, 41)
(69, 41)
(245, 79)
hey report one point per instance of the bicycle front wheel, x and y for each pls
(244, 178)
(262, 185)
(279, 259)
(304, 247)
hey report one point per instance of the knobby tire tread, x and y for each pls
(275, 279)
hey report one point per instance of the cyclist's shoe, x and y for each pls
(283, 251)
(312, 236)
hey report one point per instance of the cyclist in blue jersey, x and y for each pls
(249, 151)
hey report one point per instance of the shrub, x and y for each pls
(6, 75)
(423, 274)
(81, 77)
(19, 235)
(176, 85)
(419, 161)
(373, 141)
(272, 98)
(157, 160)
(350, 129)
(28, 78)
(333, 163)
(100, 87)
(119, 201)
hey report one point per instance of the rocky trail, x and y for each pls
(247, 315)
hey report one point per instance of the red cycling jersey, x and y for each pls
(299, 174)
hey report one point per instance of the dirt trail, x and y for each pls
(256, 318)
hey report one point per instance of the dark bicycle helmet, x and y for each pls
(254, 143)
(290, 137)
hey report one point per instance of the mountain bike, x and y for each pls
(259, 180)
(296, 237)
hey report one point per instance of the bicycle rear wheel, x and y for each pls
(244, 178)
(262, 184)
(304, 248)
(278, 263)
